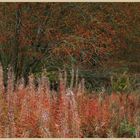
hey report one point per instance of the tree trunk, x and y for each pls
(65, 77)
(72, 77)
(17, 43)
(76, 79)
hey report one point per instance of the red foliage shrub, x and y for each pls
(44, 113)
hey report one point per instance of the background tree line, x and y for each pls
(78, 37)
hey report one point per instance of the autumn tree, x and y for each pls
(56, 35)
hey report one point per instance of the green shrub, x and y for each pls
(126, 129)
(122, 82)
